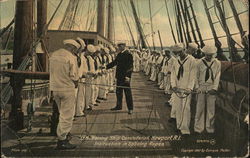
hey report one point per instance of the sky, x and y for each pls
(87, 12)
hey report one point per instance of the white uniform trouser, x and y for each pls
(103, 90)
(111, 81)
(88, 92)
(153, 74)
(66, 107)
(167, 84)
(95, 90)
(148, 69)
(80, 99)
(183, 114)
(202, 100)
(173, 105)
(137, 66)
(160, 78)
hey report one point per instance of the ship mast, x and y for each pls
(23, 37)
(138, 25)
(100, 17)
(110, 21)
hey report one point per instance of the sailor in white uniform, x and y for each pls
(136, 59)
(167, 69)
(64, 77)
(103, 89)
(80, 99)
(89, 88)
(208, 78)
(182, 80)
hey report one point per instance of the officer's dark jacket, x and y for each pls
(124, 63)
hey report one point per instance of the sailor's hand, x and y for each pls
(212, 92)
(187, 91)
(175, 89)
(127, 79)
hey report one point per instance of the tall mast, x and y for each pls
(138, 25)
(151, 22)
(110, 21)
(41, 29)
(170, 23)
(23, 37)
(239, 25)
(196, 24)
(100, 17)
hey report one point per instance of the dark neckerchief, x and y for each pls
(95, 63)
(207, 70)
(88, 63)
(181, 68)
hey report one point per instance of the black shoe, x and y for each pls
(95, 104)
(167, 104)
(64, 145)
(130, 112)
(89, 108)
(111, 91)
(80, 115)
(104, 99)
(98, 101)
(69, 136)
(178, 131)
(171, 120)
(116, 108)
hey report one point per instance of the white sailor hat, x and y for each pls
(106, 50)
(101, 46)
(167, 49)
(98, 48)
(178, 47)
(112, 48)
(193, 45)
(209, 50)
(91, 48)
(81, 42)
(72, 42)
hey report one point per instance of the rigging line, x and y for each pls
(7, 27)
(220, 21)
(123, 20)
(229, 40)
(191, 23)
(151, 22)
(93, 18)
(124, 15)
(170, 23)
(196, 24)
(88, 12)
(184, 14)
(74, 14)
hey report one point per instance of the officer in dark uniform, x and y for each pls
(124, 63)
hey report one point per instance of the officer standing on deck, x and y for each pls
(124, 63)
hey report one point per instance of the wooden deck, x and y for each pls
(105, 133)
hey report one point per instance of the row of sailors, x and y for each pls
(78, 82)
(181, 75)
